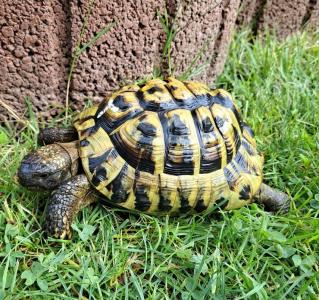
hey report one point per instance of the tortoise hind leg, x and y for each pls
(273, 199)
(57, 135)
(67, 200)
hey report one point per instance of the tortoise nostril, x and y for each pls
(22, 170)
(25, 174)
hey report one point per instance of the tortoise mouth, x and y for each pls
(33, 188)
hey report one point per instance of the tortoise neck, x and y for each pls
(73, 152)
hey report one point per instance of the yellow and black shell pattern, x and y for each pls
(170, 147)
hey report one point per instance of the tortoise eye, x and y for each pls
(45, 175)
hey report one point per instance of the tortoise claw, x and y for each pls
(58, 228)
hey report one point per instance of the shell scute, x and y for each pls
(168, 146)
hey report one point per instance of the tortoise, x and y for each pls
(162, 147)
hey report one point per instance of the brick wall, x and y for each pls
(38, 37)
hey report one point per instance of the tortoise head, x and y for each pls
(47, 167)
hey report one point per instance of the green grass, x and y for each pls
(244, 254)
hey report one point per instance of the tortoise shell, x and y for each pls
(169, 147)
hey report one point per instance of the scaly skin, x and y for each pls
(48, 166)
(71, 197)
(57, 135)
(273, 199)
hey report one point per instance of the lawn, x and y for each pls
(244, 254)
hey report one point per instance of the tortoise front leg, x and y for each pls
(67, 200)
(273, 199)
(57, 135)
